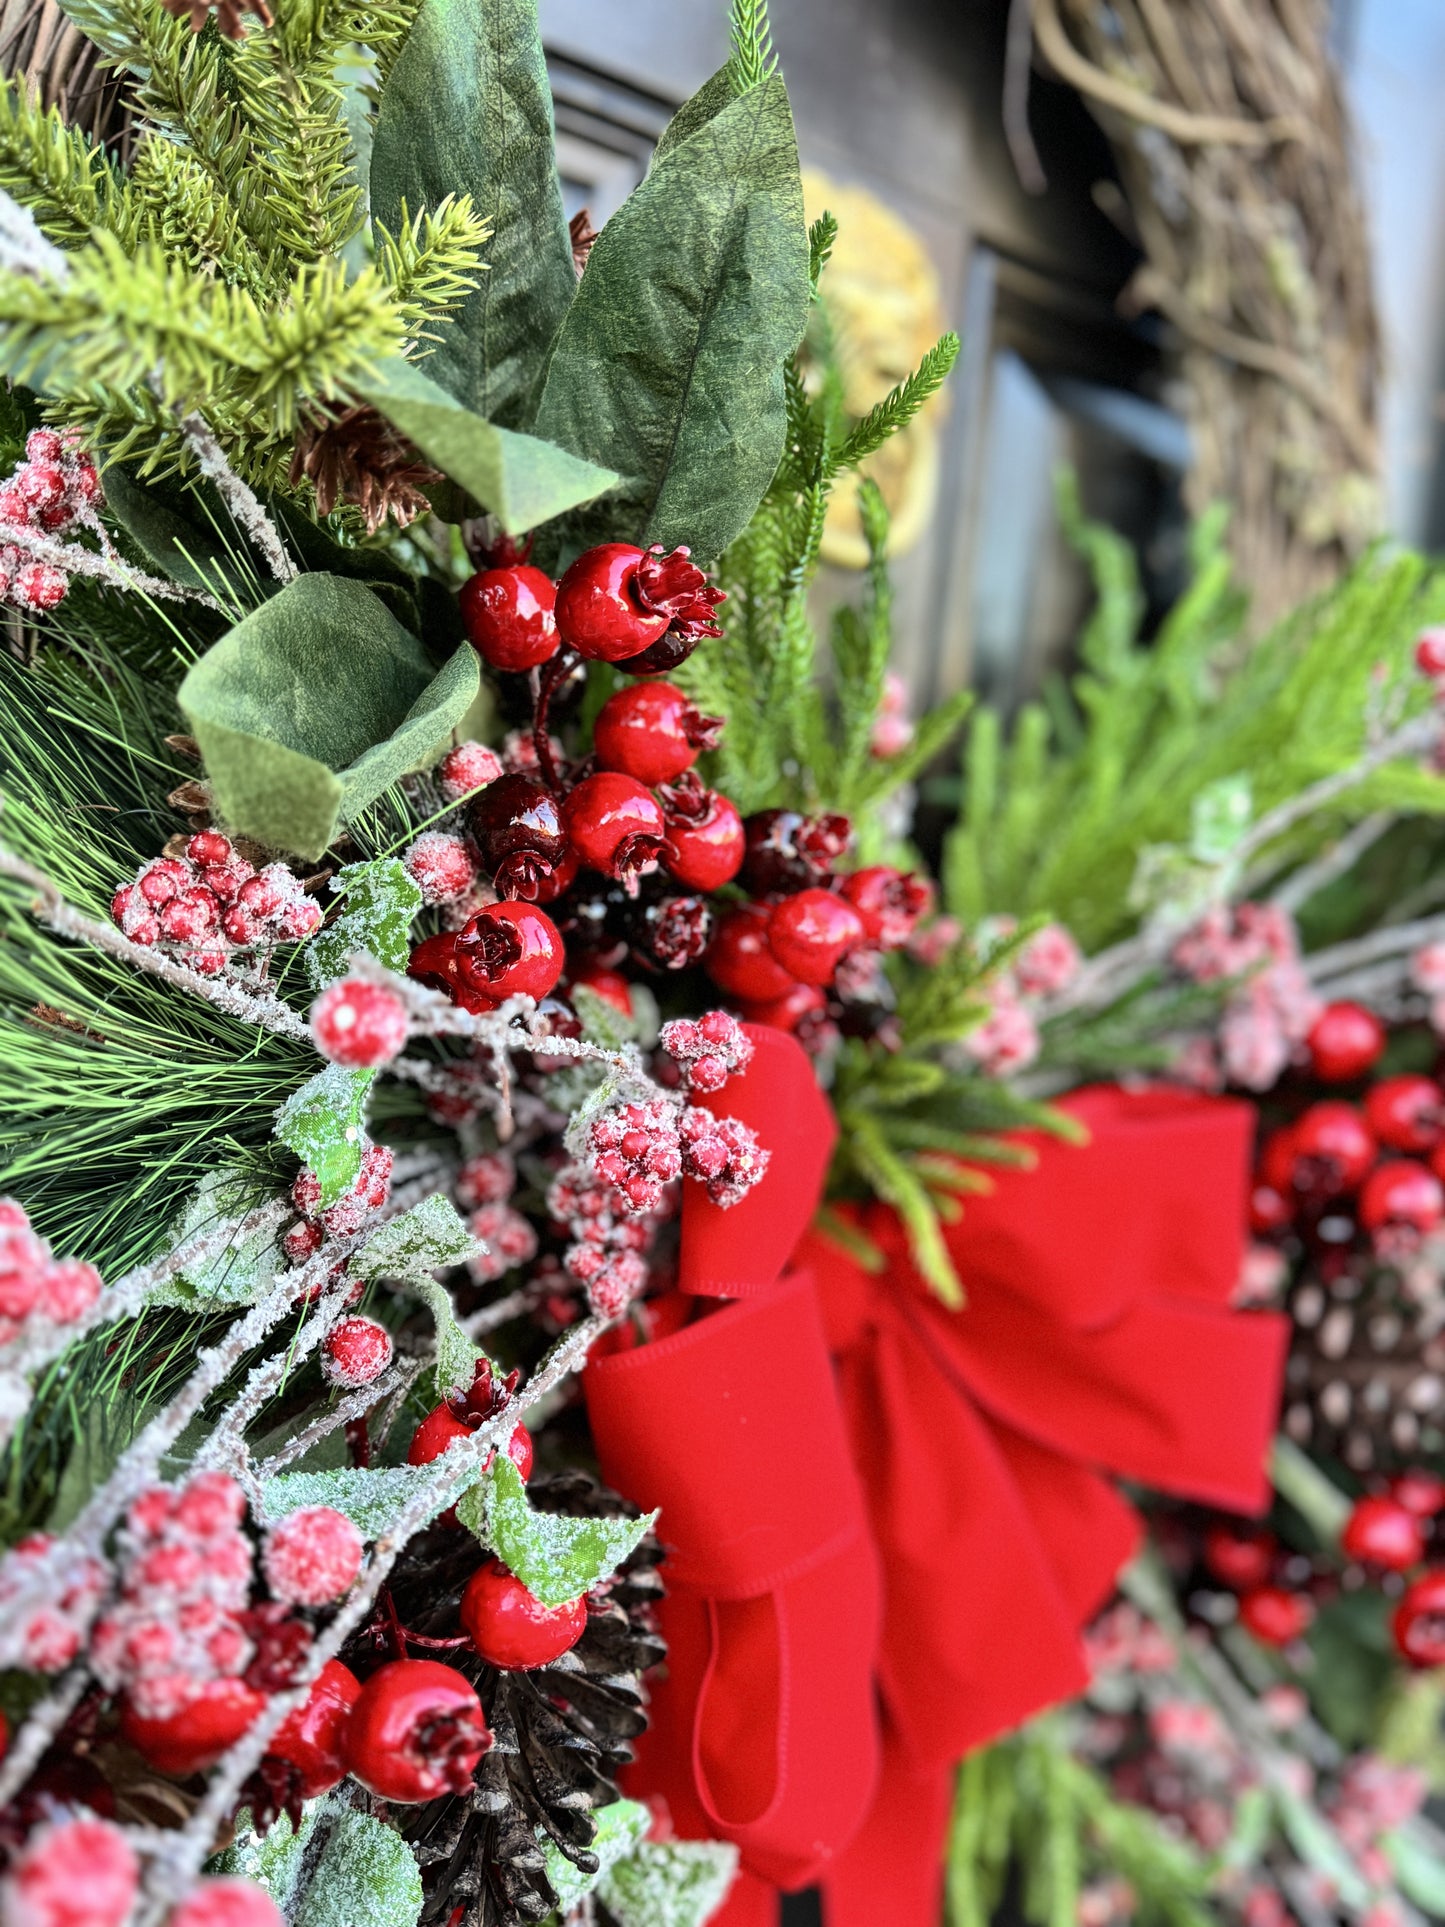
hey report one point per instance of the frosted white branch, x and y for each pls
(239, 499)
(108, 568)
(24, 249)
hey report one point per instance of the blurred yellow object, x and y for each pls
(887, 312)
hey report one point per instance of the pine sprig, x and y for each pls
(752, 59)
(68, 183)
(822, 235)
(901, 404)
(435, 260)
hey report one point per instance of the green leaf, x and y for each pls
(620, 1826)
(381, 904)
(602, 1023)
(521, 480)
(237, 1276)
(180, 529)
(322, 1123)
(314, 704)
(1219, 817)
(430, 1237)
(467, 110)
(1419, 1872)
(555, 1557)
(372, 1497)
(669, 365)
(364, 1874)
(669, 1883)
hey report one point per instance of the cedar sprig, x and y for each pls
(752, 59)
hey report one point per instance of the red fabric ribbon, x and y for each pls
(1097, 1340)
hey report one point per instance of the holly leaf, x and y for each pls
(555, 1557)
(669, 364)
(323, 1124)
(620, 1825)
(467, 110)
(235, 1276)
(340, 1868)
(430, 1237)
(312, 705)
(669, 1883)
(372, 1497)
(521, 480)
(381, 903)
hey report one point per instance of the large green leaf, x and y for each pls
(669, 366)
(555, 1557)
(467, 110)
(314, 704)
(324, 1124)
(522, 481)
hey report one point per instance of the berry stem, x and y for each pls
(549, 679)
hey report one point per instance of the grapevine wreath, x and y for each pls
(575, 1330)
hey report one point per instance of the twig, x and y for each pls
(342, 1413)
(239, 499)
(1396, 940)
(1018, 61)
(24, 249)
(1311, 878)
(110, 569)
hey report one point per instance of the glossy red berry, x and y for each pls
(359, 1024)
(788, 1011)
(227, 1901)
(1274, 1616)
(1382, 1532)
(617, 602)
(811, 932)
(890, 902)
(195, 1738)
(1401, 1193)
(652, 731)
(739, 959)
(1419, 1491)
(510, 1626)
(1430, 652)
(516, 824)
(434, 963)
(510, 949)
(507, 614)
(416, 1732)
(1328, 1150)
(1241, 1560)
(1419, 1622)
(313, 1738)
(705, 840)
(789, 851)
(1406, 1113)
(1346, 1041)
(615, 825)
(441, 1426)
(1270, 1211)
(609, 985)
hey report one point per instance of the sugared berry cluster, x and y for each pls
(1272, 1010)
(48, 1595)
(369, 1192)
(80, 1871)
(607, 1252)
(1007, 1039)
(212, 902)
(708, 1049)
(36, 1288)
(55, 487)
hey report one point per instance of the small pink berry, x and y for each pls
(211, 1506)
(488, 1178)
(355, 1351)
(312, 1556)
(68, 1289)
(468, 767)
(227, 1902)
(359, 1024)
(81, 1872)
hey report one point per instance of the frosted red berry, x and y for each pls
(1418, 1625)
(163, 879)
(510, 1627)
(470, 766)
(359, 1024)
(789, 851)
(508, 1239)
(1345, 1041)
(510, 949)
(189, 916)
(440, 866)
(416, 1732)
(708, 1049)
(705, 840)
(810, 932)
(488, 1178)
(652, 731)
(227, 1901)
(507, 614)
(313, 1738)
(194, 1738)
(1274, 1616)
(1406, 1113)
(312, 1556)
(442, 1426)
(1242, 1560)
(634, 1148)
(1382, 1532)
(740, 960)
(721, 1153)
(615, 825)
(890, 903)
(516, 824)
(79, 1872)
(356, 1351)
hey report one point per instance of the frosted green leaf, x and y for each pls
(555, 1557)
(669, 1883)
(457, 1355)
(1419, 1870)
(236, 1276)
(430, 1237)
(619, 1828)
(381, 903)
(372, 1497)
(363, 1876)
(323, 1124)
(1220, 816)
(602, 1023)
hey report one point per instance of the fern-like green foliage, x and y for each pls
(1056, 810)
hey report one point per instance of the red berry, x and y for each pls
(609, 985)
(228, 1902)
(1240, 1560)
(705, 838)
(355, 1352)
(1430, 652)
(312, 1556)
(194, 1738)
(740, 961)
(600, 611)
(671, 930)
(440, 866)
(313, 1738)
(1382, 1532)
(189, 916)
(510, 1626)
(1269, 1210)
(615, 825)
(441, 1425)
(507, 614)
(722, 1153)
(1347, 1040)
(811, 932)
(78, 1872)
(470, 766)
(1275, 1616)
(1419, 1622)
(516, 824)
(652, 731)
(434, 962)
(788, 1011)
(890, 902)
(1406, 1113)
(416, 1732)
(789, 851)
(510, 949)
(1403, 1193)
(1328, 1151)
(488, 1178)
(1419, 1491)
(359, 1024)
(158, 882)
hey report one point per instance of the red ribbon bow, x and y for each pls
(1097, 1339)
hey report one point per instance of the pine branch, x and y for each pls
(68, 184)
(901, 404)
(822, 235)
(752, 60)
(434, 262)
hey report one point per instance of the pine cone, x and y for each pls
(561, 1732)
(358, 457)
(1365, 1381)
